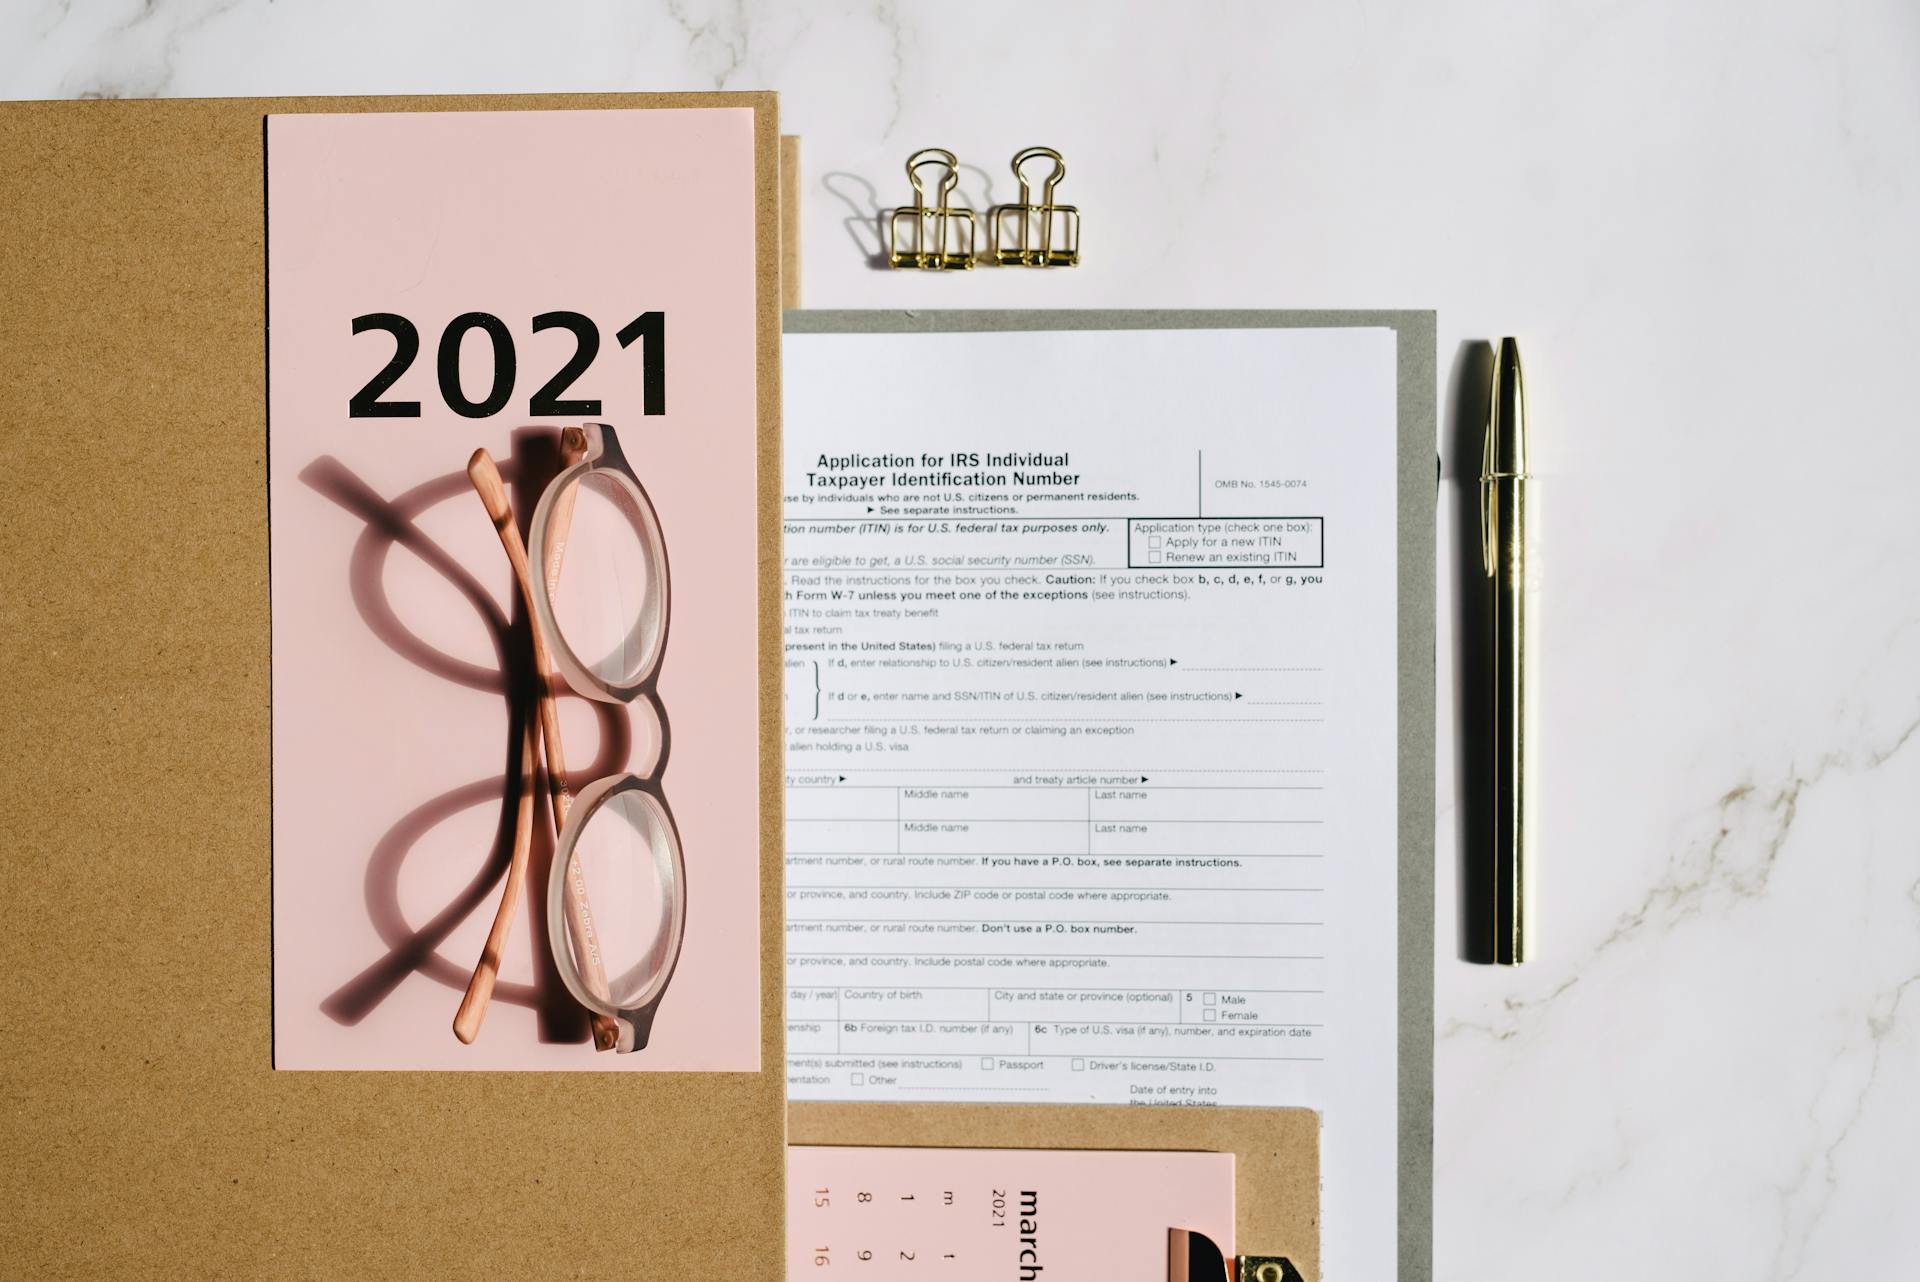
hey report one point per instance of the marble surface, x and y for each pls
(1701, 218)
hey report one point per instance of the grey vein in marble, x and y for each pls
(1789, 1261)
(1736, 863)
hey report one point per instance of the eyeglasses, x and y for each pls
(616, 903)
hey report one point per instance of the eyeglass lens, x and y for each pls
(624, 857)
(609, 604)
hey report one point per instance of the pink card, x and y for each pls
(998, 1215)
(440, 282)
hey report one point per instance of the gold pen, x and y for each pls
(1503, 553)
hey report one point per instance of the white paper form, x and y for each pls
(1091, 728)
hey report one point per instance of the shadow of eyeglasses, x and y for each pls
(414, 949)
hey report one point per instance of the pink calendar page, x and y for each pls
(998, 1215)
(439, 282)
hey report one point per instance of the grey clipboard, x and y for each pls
(1417, 458)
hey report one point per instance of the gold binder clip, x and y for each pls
(1033, 242)
(1193, 1257)
(936, 227)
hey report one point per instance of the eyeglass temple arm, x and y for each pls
(473, 1006)
(579, 914)
(486, 972)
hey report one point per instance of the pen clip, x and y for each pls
(1486, 498)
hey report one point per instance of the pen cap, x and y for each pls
(1506, 453)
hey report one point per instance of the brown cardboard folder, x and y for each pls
(146, 1131)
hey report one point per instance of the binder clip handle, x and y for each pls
(1047, 184)
(948, 181)
(941, 236)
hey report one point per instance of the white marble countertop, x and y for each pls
(1703, 220)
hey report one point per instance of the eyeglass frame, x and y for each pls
(603, 457)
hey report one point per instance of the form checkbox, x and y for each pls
(1208, 1016)
(1079, 1066)
(1153, 541)
(986, 1061)
(1153, 558)
(859, 1079)
(1211, 998)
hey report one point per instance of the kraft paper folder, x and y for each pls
(1277, 1151)
(149, 1132)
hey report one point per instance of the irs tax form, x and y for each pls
(1091, 723)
